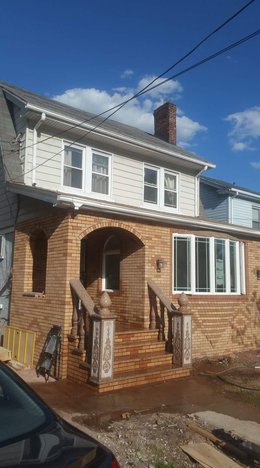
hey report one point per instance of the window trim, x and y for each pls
(255, 207)
(87, 157)
(240, 266)
(161, 171)
(83, 169)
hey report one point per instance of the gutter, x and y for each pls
(35, 129)
(197, 188)
(119, 137)
(65, 200)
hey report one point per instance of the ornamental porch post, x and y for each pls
(103, 338)
(182, 334)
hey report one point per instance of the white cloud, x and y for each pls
(245, 129)
(255, 165)
(138, 112)
(127, 73)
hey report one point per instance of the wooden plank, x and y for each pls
(220, 443)
(208, 456)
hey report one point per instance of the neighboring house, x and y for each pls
(230, 203)
(118, 209)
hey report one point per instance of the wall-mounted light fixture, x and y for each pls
(258, 274)
(159, 264)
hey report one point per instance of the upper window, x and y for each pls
(87, 170)
(100, 173)
(256, 217)
(160, 187)
(73, 167)
(151, 185)
(208, 265)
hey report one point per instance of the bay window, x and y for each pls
(208, 265)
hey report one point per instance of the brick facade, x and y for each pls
(221, 324)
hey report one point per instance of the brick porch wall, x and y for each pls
(221, 324)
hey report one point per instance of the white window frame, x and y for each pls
(83, 170)
(161, 171)
(254, 207)
(87, 156)
(2, 246)
(240, 266)
(91, 153)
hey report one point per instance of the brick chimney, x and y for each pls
(165, 122)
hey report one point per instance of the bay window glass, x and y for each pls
(233, 266)
(72, 169)
(150, 185)
(182, 263)
(100, 173)
(220, 269)
(207, 265)
(202, 264)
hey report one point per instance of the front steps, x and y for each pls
(139, 359)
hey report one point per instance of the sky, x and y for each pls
(94, 55)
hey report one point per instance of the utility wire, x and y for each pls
(195, 65)
(147, 87)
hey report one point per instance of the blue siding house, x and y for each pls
(229, 203)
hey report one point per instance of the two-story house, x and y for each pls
(118, 209)
(230, 203)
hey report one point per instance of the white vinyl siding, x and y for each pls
(48, 161)
(125, 174)
(207, 265)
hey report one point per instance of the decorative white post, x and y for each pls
(103, 338)
(182, 334)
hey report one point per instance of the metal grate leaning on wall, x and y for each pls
(21, 343)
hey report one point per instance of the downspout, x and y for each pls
(231, 208)
(35, 129)
(197, 188)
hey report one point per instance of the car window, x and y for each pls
(20, 414)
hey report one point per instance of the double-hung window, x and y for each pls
(256, 217)
(73, 167)
(151, 176)
(160, 187)
(208, 265)
(100, 173)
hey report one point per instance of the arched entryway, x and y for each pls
(113, 260)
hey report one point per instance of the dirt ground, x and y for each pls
(147, 426)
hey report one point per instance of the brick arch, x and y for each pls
(38, 227)
(111, 224)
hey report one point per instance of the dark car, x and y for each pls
(32, 434)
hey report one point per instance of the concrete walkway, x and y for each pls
(190, 395)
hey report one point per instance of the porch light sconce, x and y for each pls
(159, 264)
(258, 274)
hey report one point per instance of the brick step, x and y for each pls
(137, 335)
(136, 348)
(141, 361)
(143, 377)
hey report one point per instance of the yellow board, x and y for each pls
(21, 343)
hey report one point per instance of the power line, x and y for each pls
(147, 87)
(201, 62)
